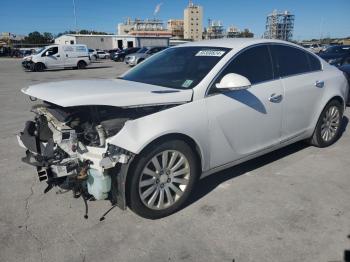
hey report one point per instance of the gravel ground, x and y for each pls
(290, 205)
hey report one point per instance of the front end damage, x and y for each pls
(70, 149)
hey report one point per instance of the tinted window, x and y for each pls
(180, 67)
(289, 60)
(254, 64)
(52, 51)
(314, 62)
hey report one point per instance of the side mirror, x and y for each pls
(233, 82)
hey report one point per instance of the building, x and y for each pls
(139, 27)
(109, 42)
(193, 22)
(215, 30)
(233, 32)
(279, 25)
(176, 27)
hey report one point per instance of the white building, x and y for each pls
(109, 42)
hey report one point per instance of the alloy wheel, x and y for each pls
(330, 123)
(164, 179)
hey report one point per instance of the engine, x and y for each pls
(68, 146)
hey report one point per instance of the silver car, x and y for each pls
(142, 54)
(144, 139)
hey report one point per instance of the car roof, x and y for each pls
(235, 43)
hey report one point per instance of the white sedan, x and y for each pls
(144, 139)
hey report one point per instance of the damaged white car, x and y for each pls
(143, 140)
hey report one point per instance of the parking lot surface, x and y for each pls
(290, 205)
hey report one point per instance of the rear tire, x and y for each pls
(327, 130)
(81, 65)
(169, 182)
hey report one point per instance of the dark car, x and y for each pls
(346, 69)
(120, 55)
(336, 55)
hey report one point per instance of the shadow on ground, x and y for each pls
(207, 184)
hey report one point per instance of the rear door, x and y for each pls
(301, 76)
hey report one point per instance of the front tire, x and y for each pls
(328, 126)
(39, 67)
(162, 179)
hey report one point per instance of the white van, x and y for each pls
(58, 56)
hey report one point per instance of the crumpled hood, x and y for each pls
(112, 92)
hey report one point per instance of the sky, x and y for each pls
(313, 18)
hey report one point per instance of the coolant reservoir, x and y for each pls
(98, 184)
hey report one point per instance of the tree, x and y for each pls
(48, 37)
(246, 33)
(38, 38)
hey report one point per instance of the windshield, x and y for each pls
(142, 50)
(39, 51)
(180, 67)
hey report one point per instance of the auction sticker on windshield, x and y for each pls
(210, 53)
(187, 83)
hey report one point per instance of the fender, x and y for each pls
(139, 133)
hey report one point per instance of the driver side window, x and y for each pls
(253, 63)
(51, 51)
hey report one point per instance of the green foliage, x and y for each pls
(38, 38)
(246, 33)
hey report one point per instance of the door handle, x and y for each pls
(319, 84)
(58, 56)
(275, 98)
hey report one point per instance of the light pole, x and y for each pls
(75, 18)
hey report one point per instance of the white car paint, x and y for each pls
(228, 128)
(113, 92)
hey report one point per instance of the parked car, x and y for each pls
(120, 56)
(92, 54)
(346, 69)
(142, 54)
(144, 139)
(337, 55)
(102, 54)
(58, 56)
(315, 48)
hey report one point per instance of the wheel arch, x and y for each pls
(81, 61)
(166, 137)
(317, 116)
(337, 98)
(178, 136)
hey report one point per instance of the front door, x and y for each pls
(53, 58)
(245, 122)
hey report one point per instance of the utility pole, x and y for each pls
(75, 17)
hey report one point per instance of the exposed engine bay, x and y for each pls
(69, 148)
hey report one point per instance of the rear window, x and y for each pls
(290, 60)
(314, 62)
